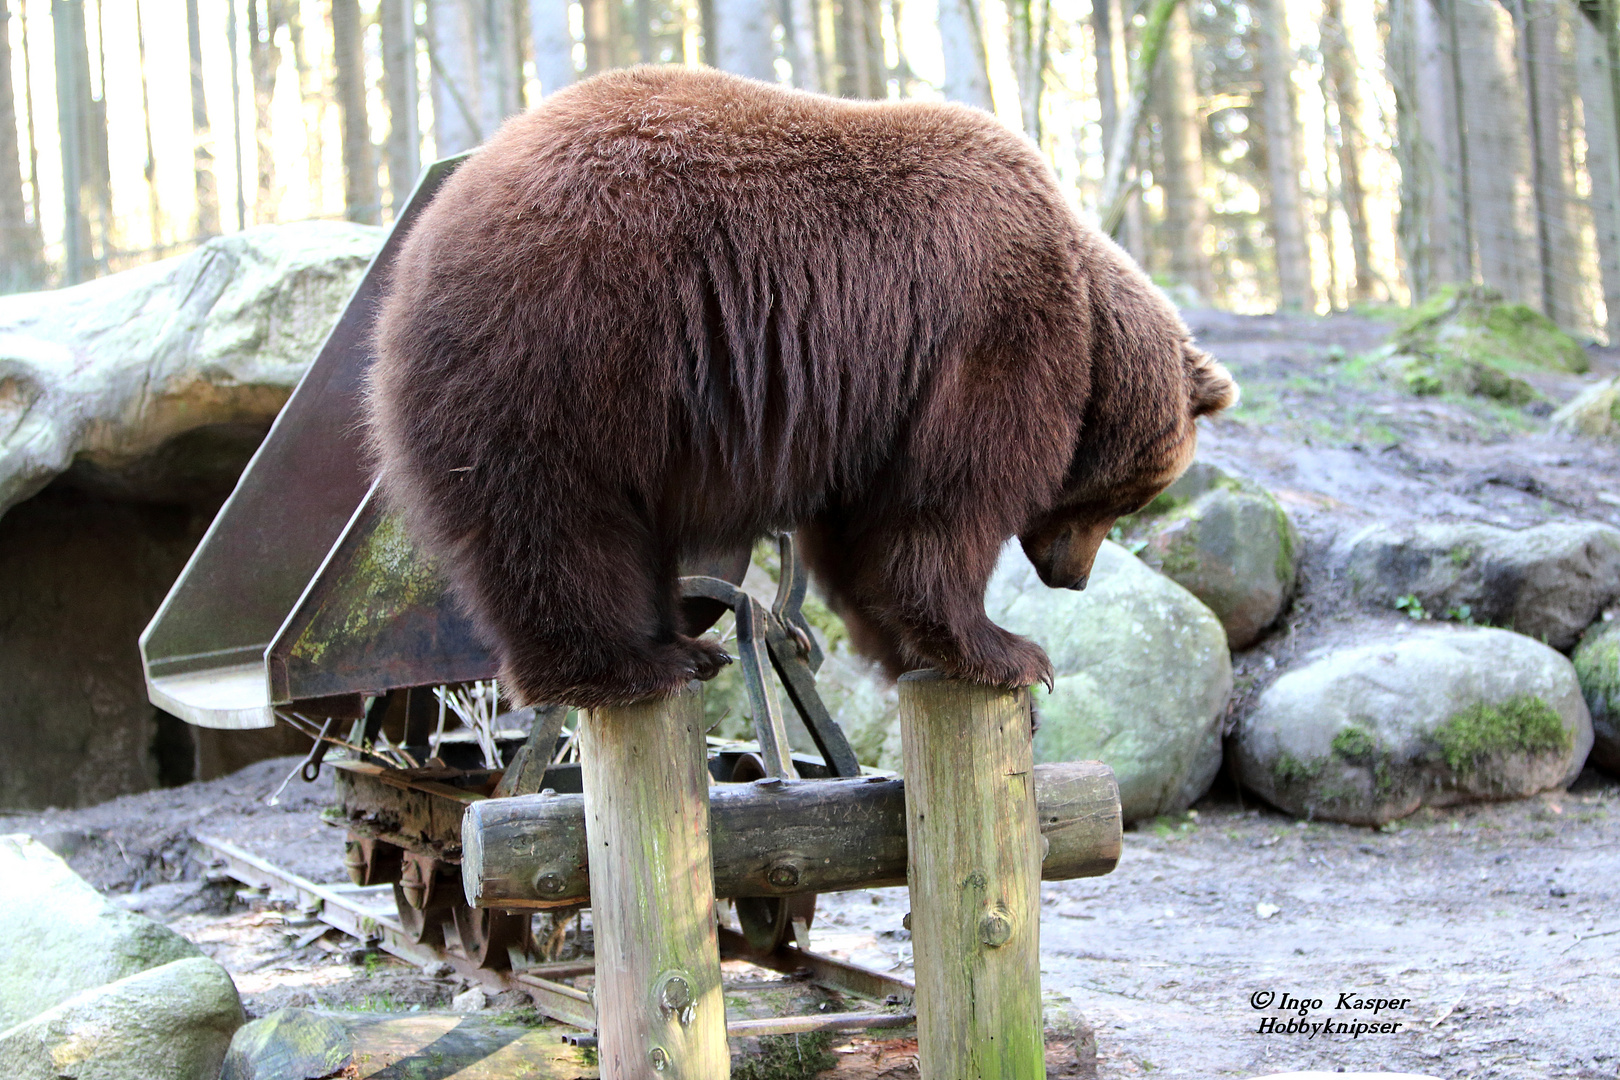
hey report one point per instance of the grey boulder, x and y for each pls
(172, 1022)
(149, 381)
(1228, 542)
(1436, 716)
(59, 936)
(1142, 675)
(1549, 582)
(1597, 665)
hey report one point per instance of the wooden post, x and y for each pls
(974, 872)
(658, 1003)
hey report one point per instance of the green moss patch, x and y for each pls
(1290, 770)
(788, 1057)
(1473, 323)
(1353, 743)
(1523, 724)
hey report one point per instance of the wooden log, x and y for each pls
(659, 1010)
(974, 875)
(776, 838)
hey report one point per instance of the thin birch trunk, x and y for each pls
(801, 15)
(1026, 44)
(1121, 151)
(453, 49)
(553, 44)
(312, 99)
(28, 107)
(202, 147)
(961, 37)
(742, 33)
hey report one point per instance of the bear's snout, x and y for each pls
(1063, 559)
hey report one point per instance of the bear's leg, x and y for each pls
(914, 597)
(585, 613)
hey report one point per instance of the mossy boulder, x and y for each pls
(1142, 680)
(173, 1021)
(1549, 582)
(1436, 716)
(1227, 541)
(1594, 412)
(1597, 665)
(59, 936)
(1468, 340)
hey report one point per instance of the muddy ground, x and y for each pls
(1496, 926)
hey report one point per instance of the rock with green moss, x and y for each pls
(1594, 412)
(1467, 340)
(1597, 665)
(59, 936)
(1142, 679)
(1227, 541)
(1436, 716)
(173, 1021)
(1142, 676)
(1549, 582)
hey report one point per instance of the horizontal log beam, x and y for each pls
(776, 837)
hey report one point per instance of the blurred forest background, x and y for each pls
(1299, 155)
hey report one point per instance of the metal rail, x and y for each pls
(366, 913)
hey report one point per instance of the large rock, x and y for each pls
(168, 1023)
(1439, 716)
(1466, 340)
(1142, 679)
(1594, 412)
(1597, 665)
(137, 398)
(1142, 676)
(1229, 543)
(302, 1044)
(160, 380)
(58, 936)
(1549, 582)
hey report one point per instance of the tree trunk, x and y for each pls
(360, 198)
(499, 64)
(961, 37)
(1122, 148)
(202, 147)
(1344, 90)
(21, 256)
(312, 98)
(600, 45)
(1026, 43)
(1538, 25)
(553, 44)
(72, 109)
(236, 114)
(149, 167)
(33, 137)
(742, 38)
(806, 60)
(453, 48)
(1186, 216)
(398, 18)
(1602, 162)
(1498, 156)
(1294, 292)
(264, 59)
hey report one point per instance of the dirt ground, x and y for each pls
(1496, 927)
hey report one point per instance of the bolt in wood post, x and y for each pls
(659, 1010)
(974, 871)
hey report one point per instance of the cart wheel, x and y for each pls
(486, 934)
(767, 921)
(422, 896)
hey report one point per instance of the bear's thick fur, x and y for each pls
(669, 311)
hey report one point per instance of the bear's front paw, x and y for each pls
(1013, 662)
(707, 657)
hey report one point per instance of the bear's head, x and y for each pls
(1138, 436)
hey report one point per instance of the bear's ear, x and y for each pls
(1210, 384)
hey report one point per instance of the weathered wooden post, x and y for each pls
(973, 869)
(659, 1008)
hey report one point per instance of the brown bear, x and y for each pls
(670, 311)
